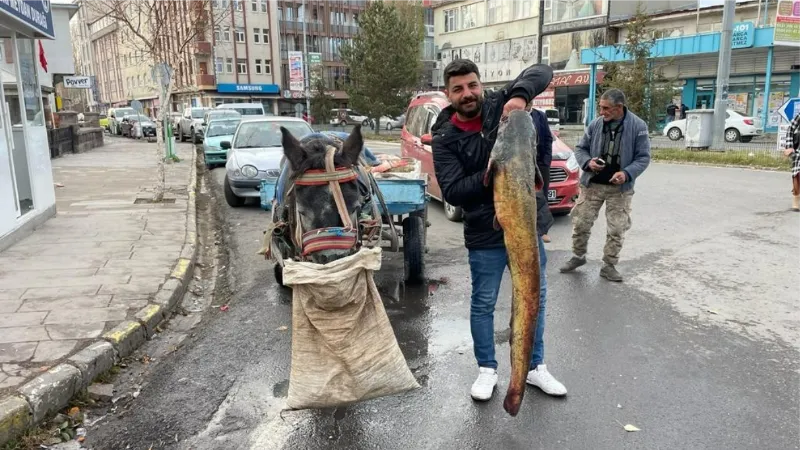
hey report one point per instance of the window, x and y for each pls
(522, 9)
(546, 50)
(239, 4)
(219, 65)
(263, 5)
(241, 66)
(229, 65)
(240, 34)
(265, 36)
(450, 17)
(267, 66)
(216, 34)
(258, 66)
(257, 35)
(469, 16)
(226, 34)
(499, 11)
(254, 5)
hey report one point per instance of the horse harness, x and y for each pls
(346, 237)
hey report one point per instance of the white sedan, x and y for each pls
(737, 128)
(255, 153)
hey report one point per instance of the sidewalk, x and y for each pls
(94, 267)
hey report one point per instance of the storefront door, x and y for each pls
(705, 100)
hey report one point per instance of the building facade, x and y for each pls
(27, 195)
(501, 37)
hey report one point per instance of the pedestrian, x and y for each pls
(544, 157)
(684, 109)
(463, 137)
(671, 110)
(793, 139)
(613, 152)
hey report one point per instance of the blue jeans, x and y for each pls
(487, 267)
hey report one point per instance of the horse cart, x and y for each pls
(400, 201)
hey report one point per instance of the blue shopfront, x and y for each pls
(266, 94)
(763, 76)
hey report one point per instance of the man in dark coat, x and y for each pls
(544, 157)
(463, 137)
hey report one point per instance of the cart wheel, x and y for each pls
(278, 271)
(414, 248)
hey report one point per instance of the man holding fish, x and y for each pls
(464, 137)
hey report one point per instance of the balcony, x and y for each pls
(204, 81)
(202, 48)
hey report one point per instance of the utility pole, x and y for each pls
(723, 74)
(307, 91)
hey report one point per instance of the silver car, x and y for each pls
(255, 154)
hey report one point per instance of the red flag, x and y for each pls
(42, 59)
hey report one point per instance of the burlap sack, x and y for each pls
(343, 346)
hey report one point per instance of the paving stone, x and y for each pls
(49, 263)
(86, 315)
(17, 352)
(95, 359)
(135, 302)
(149, 288)
(62, 281)
(15, 370)
(79, 330)
(141, 263)
(59, 292)
(9, 306)
(15, 417)
(101, 391)
(91, 301)
(22, 319)
(53, 350)
(23, 334)
(11, 294)
(10, 382)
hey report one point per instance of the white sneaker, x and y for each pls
(542, 379)
(483, 387)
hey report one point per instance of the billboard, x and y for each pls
(787, 23)
(78, 82)
(296, 78)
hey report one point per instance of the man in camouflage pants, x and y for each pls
(613, 152)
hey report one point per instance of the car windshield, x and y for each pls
(552, 114)
(268, 133)
(197, 113)
(124, 112)
(222, 127)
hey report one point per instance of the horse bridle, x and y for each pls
(346, 237)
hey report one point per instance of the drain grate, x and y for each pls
(144, 200)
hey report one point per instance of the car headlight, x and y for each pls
(572, 163)
(250, 171)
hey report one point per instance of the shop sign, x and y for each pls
(546, 99)
(787, 24)
(575, 79)
(744, 34)
(232, 88)
(77, 82)
(34, 14)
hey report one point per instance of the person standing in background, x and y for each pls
(793, 138)
(544, 157)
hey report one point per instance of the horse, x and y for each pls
(320, 208)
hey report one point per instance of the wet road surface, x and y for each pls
(698, 348)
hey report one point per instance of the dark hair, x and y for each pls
(459, 67)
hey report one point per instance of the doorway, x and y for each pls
(705, 100)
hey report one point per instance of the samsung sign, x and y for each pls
(232, 88)
(78, 82)
(34, 14)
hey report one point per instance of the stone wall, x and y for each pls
(88, 138)
(70, 137)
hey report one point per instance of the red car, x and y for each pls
(416, 139)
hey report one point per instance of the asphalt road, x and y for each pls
(698, 348)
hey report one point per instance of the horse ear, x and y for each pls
(292, 149)
(352, 147)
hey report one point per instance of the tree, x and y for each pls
(321, 102)
(384, 58)
(153, 30)
(647, 90)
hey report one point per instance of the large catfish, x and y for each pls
(516, 179)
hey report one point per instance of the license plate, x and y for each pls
(551, 194)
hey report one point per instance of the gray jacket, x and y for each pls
(634, 153)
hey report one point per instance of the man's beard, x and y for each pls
(469, 114)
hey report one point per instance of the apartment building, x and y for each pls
(500, 36)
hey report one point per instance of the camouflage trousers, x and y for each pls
(618, 218)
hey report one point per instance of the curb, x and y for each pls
(44, 395)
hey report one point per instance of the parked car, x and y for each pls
(115, 116)
(388, 123)
(143, 127)
(416, 143)
(218, 129)
(737, 128)
(192, 117)
(553, 119)
(245, 109)
(103, 121)
(346, 116)
(213, 114)
(255, 154)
